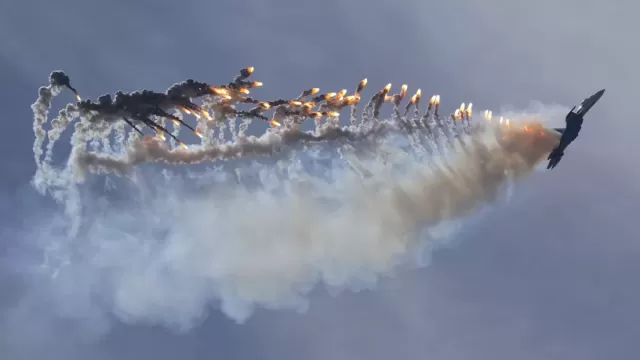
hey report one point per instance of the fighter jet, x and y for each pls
(574, 123)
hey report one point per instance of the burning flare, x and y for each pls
(416, 96)
(403, 90)
(361, 86)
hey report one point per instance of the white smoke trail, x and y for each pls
(252, 248)
(176, 127)
(58, 125)
(263, 235)
(40, 113)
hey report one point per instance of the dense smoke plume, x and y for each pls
(262, 219)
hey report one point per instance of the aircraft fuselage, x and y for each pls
(573, 120)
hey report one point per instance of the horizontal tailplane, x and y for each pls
(554, 158)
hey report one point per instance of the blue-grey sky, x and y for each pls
(550, 275)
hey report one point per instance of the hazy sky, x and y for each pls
(551, 275)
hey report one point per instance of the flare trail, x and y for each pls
(245, 220)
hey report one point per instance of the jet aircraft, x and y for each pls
(573, 120)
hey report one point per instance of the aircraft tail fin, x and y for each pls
(560, 130)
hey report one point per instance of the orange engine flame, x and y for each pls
(403, 90)
(256, 84)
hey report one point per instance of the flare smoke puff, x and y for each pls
(59, 78)
(388, 183)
